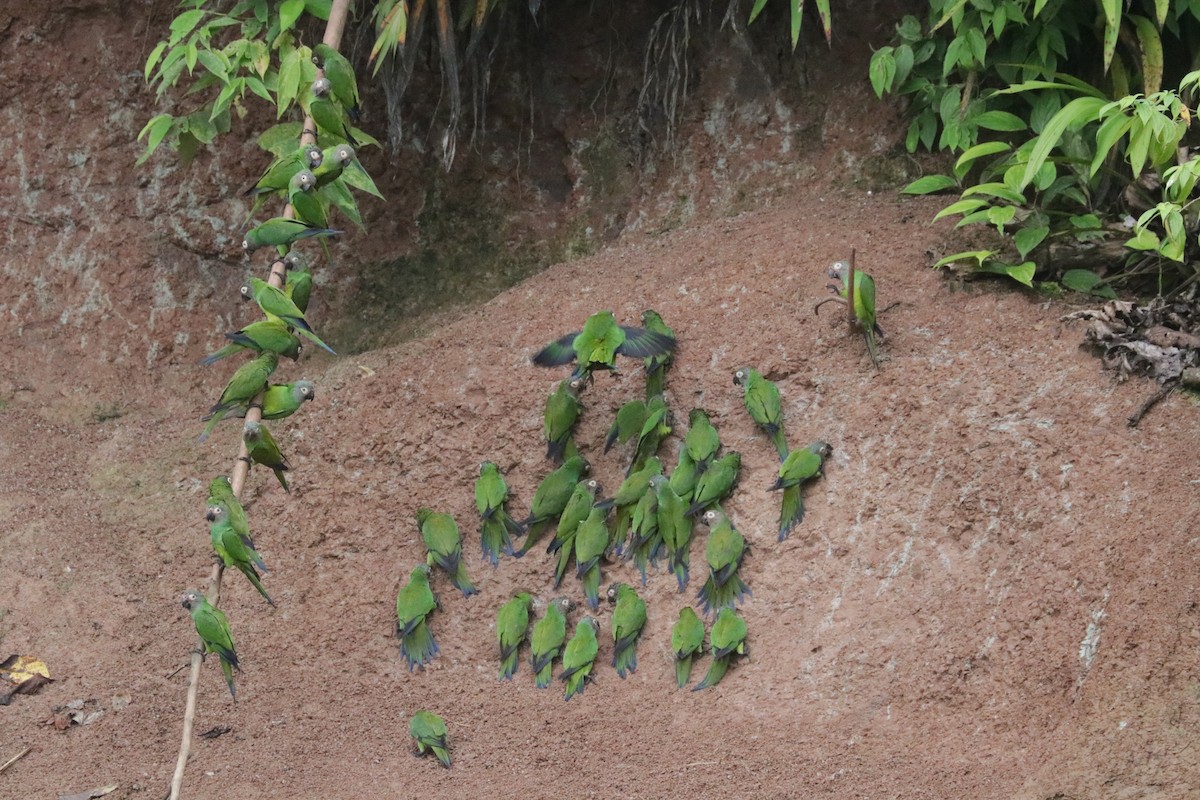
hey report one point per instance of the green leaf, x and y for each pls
(182, 25)
(356, 176)
(1111, 131)
(363, 138)
(999, 121)
(999, 190)
(904, 63)
(290, 72)
(156, 129)
(257, 86)
(978, 151)
(341, 199)
(797, 18)
(757, 9)
(214, 63)
(155, 54)
(318, 8)
(1001, 216)
(929, 184)
(289, 12)
(1021, 273)
(280, 139)
(221, 104)
(1079, 111)
(192, 55)
(1086, 281)
(979, 255)
(1145, 239)
(882, 70)
(1086, 222)
(1027, 239)
(961, 207)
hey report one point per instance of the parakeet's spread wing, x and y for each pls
(641, 343)
(560, 351)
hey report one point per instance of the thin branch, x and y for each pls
(16, 758)
(241, 466)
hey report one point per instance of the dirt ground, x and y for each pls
(993, 594)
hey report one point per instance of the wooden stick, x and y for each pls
(16, 758)
(850, 292)
(241, 466)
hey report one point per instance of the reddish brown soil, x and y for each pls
(993, 595)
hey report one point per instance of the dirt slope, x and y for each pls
(993, 593)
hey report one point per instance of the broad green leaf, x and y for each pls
(1079, 111)
(363, 138)
(979, 255)
(904, 64)
(257, 86)
(290, 72)
(1085, 222)
(978, 151)
(797, 18)
(182, 25)
(999, 121)
(221, 104)
(961, 207)
(341, 199)
(280, 139)
(882, 70)
(1111, 131)
(757, 9)
(1152, 53)
(356, 176)
(318, 8)
(155, 55)
(215, 63)
(1145, 239)
(289, 12)
(192, 55)
(157, 128)
(1001, 216)
(929, 184)
(999, 190)
(1027, 239)
(1080, 280)
(1021, 273)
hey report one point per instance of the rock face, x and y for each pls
(992, 593)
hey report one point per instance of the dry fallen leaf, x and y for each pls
(89, 794)
(28, 686)
(17, 669)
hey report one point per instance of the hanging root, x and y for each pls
(665, 71)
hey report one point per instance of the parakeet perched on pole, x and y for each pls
(264, 336)
(763, 402)
(862, 301)
(249, 380)
(275, 303)
(496, 526)
(214, 633)
(340, 73)
(800, 467)
(443, 544)
(235, 549)
(263, 449)
(282, 233)
(597, 346)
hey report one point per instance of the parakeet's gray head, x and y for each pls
(321, 86)
(344, 153)
(313, 156)
(305, 390)
(822, 449)
(251, 430)
(614, 589)
(422, 569)
(563, 603)
(741, 376)
(576, 385)
(247, 291)
(304, 180)
(710, 517)
(190, 598)
(484, 465)
(591, 623)
(215, 512)
(840, 270)
(594, 487)
(294, 260)
(249, 248)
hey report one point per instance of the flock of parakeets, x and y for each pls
(649, 518)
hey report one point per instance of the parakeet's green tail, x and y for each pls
(224, 352)
(591, 586)
(536, 530)
(564, 560)
(872, 347)
(545, 675)
(727, 594)
(562, 449)
(494, 538)
(443, 755)
(227, 668)
(620, 529)
(781, 446)
(683, 670)
(655, 380)
(282, 478)
(791, 512)
(418, 646)
(716, 671)
(253, 577)
(303, 328)
(213, 419)
(679, 566)
(462, 582)
(508, 664)
(625, 655)
(575, 680)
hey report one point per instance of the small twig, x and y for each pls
(850, 292)
(177, 670)
(1151, 402)
(16, 758)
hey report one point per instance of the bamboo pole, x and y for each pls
(241, 466)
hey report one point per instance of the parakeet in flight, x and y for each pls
(512, 624)
(763, 402)
(800, 467)
(687, 640)
(429, 732)
(727, 640)
(414, 603)
(580, 656)
(599, 343)
(214, 633)
(443, 544)
(628, 619)
(496, 526)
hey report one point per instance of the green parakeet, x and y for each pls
(599, 343)
(627, 424)
(247, 382)
(578, 507)
(562, 412)
(627, 496)
(298, 288)
(701, 441)
(550, 498)
(220, 492)
(628, 619)
(264, 336)
(235, 549)
(683, 477)
(496, 526)
(800, 467)
(723, 552)
(262, 448)
(333, 122)
(762, 401)
(645, 540)
(429, 732)
(727, 640)
(864, 303)
(512, 623)
(278, 401)
(280, 172)
(214, 633)
(656, 428)
(580, 656)
(443, 544)
(656, 366)
(334, 163)
(275, 303)
(340, 74)
(414, 604)
(591, 540)
(675, 528)
(716, 483)
(281, 232)
(309, 207)
(546, 641)
(687, 640)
